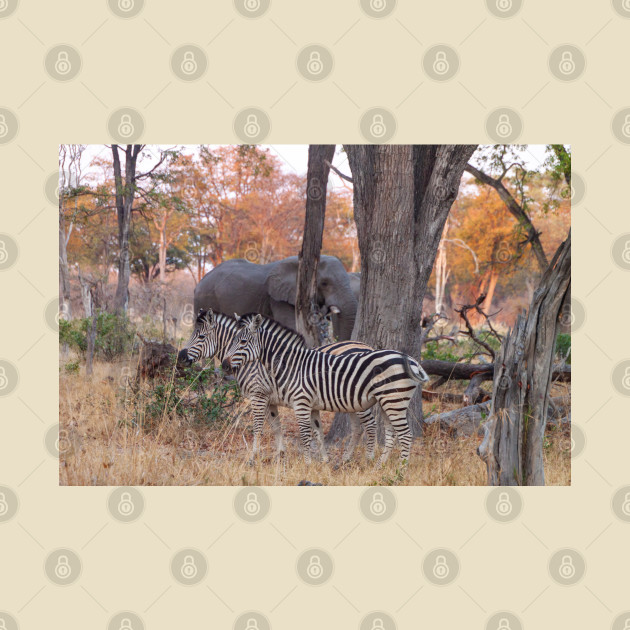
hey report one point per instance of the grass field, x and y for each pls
(106, 440)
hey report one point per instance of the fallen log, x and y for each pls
(466, 371)
(467, 421)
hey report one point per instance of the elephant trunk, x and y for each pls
(345, 319)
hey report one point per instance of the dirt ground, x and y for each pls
(100, 446)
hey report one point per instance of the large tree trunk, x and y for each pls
(402, 197)
(306, 309)
(513, 443)
(125, 191)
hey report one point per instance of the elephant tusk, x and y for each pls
(335, 309)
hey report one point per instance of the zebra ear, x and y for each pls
(236, 317)
(210, 317)
(257, 321)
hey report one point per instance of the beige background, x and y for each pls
(378, 62)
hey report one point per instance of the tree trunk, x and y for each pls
(125, 192)
(513, 443)
(65, 307)
(402, 197)
(307, 316)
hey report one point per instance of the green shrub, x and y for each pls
(114, 335)
(72, 367)
(563, 347)
(176, 397)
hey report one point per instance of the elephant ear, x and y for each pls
(282, 281)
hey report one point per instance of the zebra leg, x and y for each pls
(276, 427)
(316, 428)
(368, 420)
(355, 434)
(303, 417)
(260, 409)
(389, 438)
(398, 419)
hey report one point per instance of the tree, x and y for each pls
(513, 445)
(402, 197)
(306, 309)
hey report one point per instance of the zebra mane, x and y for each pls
(271, 324)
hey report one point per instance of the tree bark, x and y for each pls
(402, 197)
(513, 443)
(125, 192)
(306, 308)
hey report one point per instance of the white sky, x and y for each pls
(294, 157)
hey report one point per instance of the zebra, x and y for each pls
(213, 334)
(307, 379)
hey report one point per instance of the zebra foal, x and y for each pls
(307, 379)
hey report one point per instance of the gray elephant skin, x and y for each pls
(239, 286)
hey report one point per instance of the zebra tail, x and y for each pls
(412, 371)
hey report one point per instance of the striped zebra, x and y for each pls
(213, 334)
(307, 379)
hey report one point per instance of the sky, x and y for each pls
(294, 158)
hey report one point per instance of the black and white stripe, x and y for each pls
(213, 334)
(307, 379)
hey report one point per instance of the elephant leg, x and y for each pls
(316, 428)
(276, 427)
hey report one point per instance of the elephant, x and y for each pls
(355, 283)
(239, 286)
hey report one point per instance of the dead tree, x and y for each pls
(513, 444)
(307, 316)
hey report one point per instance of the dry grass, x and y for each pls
(100, 446)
